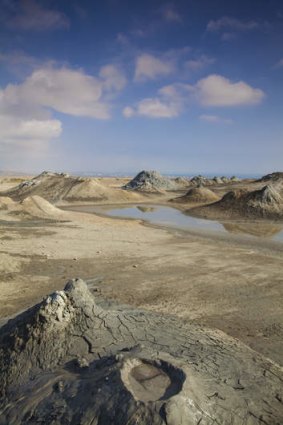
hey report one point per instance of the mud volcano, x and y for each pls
(266, 203)
(198, 195)
(63, 188)
(69, 361)
(150, 181)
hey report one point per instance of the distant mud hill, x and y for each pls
(69, 361)
(60, 187)
(204, 181)
(272, 177)
(197, 195)
(152, 182)
(266, 203)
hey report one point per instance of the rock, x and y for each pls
(68, 361)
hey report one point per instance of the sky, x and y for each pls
(188, 86)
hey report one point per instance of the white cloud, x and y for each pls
(128, 112)
(233, 24)
(14, 130)
(215, 119)
(26, 109)
(32, 16)
(213, 90)
(156, 108)
(216, 90)
(149, 67)
(168, 104)
(64, 90)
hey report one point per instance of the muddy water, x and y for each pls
(174, 218)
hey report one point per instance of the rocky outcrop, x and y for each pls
(69, 361)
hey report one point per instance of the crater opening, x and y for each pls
(152, 380)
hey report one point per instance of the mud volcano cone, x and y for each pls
(150, 181)
(69, 361)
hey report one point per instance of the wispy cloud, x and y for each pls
(21, 64)
(113, 77)
(170, 14)
(279, 64)
(227, 23)
(30, 15)
(229, 28)
(199, 63)
(149, 67)
(215, 119)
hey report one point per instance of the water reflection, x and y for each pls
(146, 209)
(174, 218)
(263, 230)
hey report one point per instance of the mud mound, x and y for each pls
(272, 177)
(198, 195)
(60, 187)
(182, 182)
(51, 186)
(235, 179)
(217, 180)
(92, 191)
(67, 360)
(150, 181)
(200, 181)
(36, 206)
(266, 202)
(87, 190)
(6, 203)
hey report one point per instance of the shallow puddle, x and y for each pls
(172, 217)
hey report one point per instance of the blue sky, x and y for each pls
(119, 86)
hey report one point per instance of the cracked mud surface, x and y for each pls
(69, 361)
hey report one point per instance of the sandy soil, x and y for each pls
(232, 285)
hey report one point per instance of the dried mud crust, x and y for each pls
(69, 361)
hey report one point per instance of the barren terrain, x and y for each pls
(225, 283)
